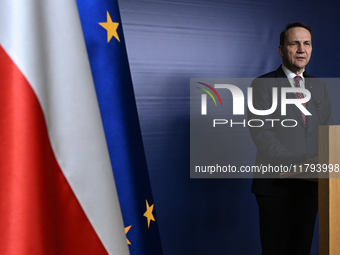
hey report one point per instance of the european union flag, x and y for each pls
(105, 44)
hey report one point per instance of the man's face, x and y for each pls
(297, 49)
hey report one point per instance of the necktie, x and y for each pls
(300, 95)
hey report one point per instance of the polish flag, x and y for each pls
(57, 191)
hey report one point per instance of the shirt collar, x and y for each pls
(290, 74)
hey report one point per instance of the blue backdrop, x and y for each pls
(169, 42)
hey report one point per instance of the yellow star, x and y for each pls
(127, 230)
(111, 27)
(148, 213)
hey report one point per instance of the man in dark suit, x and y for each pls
(288, 207)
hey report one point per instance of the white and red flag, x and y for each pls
(57, 190)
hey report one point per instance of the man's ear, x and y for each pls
(281, 51)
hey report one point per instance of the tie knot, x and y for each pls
(297, 81)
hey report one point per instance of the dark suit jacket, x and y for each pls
(287, 145)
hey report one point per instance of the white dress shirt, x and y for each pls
(290, 75)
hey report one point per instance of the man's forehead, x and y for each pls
(298, 33)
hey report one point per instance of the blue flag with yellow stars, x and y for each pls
(105, 44)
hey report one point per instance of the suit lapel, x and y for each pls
(310, 104)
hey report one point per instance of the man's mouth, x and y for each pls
(300, 58)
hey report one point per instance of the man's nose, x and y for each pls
(301, 48)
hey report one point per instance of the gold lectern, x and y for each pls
(329, 188)
(329, 191)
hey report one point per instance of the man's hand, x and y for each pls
(314, 160)
(309, 161)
